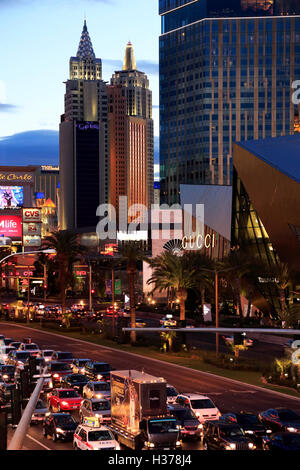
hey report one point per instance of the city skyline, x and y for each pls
(31, 88)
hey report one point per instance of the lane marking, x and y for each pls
(37, 442)
(186, 369)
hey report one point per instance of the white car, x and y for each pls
(46, 354)
(91, 436)
(203, 407)
(4, 351)
(171, 394)
(32, 348)
(96, 390)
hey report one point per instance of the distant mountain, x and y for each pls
(30, 148)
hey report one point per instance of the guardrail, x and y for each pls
(287, 332)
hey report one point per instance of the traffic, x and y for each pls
(91, 406)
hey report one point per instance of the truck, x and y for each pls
(139, 416)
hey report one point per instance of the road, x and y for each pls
(228, 395)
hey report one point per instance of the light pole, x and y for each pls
(47, 252)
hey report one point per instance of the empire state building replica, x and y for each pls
(84, 166)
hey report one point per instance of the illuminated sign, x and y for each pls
(87, 125)
(24, 177)
(132, 236)
(11, 197)
(110, 250)
(11, 226)
(32, 240)
(199, 242)
(32, 228)
(32, 215)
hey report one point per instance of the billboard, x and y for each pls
(32, 228)
(11, 226)
(32, 240)
(11, 197)
(33, 214)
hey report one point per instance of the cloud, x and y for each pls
(4, 107)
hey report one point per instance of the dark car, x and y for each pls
(78, 365)
(58, 370)
(17, 358)
(250, 424)
(282, 441)
(281, 420)
(7, 341)
(15, 344)
(75, 381)
(60, 426)
(186, 420)
(5, 390)
(65, 357)
(7, 373)
(97, 371)
(220, 435)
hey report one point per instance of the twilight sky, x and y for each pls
(38, 37)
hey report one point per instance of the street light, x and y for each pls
(49, 251)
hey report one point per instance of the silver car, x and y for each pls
(96, 390)
(39, 413)
(95, 408)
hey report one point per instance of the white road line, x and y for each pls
(37, 442)
(200, 372)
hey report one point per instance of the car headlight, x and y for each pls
(99, 377)
(292, 429)
(269, 431)
(118, 447)
(99, 395)
(200, 426)
(150, 444)
(178, 444)
(251, 445)
(249, 432)
(56, 376)
(65, 403)
(5, 376)
(231, 447)
(59, 431)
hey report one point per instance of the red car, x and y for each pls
(64, 400)
(58, 370)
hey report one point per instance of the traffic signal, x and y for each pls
(239, 339)
(3, 430)
(15, 406)
(92, 291)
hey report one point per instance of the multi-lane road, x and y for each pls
(227, 394)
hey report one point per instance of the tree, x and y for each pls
(204, 279)
(68, 250)
(131, 253)
(283, 279)
(173, 272)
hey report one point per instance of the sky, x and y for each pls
(37, 39)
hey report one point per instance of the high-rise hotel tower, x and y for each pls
(84, 152)
(226, 74)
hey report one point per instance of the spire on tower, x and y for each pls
(85, 49)
(129, 61)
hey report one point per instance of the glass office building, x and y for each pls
(226, 73)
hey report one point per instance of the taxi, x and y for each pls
(91, 435)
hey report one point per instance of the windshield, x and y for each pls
(7, 369)
(292, 439)
(158, 426)
(288, 415)
(68, 394)
(232, 432)
(103, 387)
(47, 353)
(64, 419)
(22, 355)
(101, 406)
(59, 367)
(40, 405)
(202, 404)
(82, 362)
(171, 392)
(31, 347)
(102, 368)
(96, 436)
(76, 379)
(184, 414)
(65, 356)
(248, 419)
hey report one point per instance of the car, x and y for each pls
(1, 338)
(95, 408)
(168, 321)
(140, 323)
(64, 400)
(247, 341)
(61, 356)
(186, 421)
(78, 365)
(98, 371)
(93, 436)
(7, 341)
(250, 424)
(46, 354)
(282, 441)
(7, 373)
(58, 370)
(171, 394)
(60, 426)
(39, 413)
(281, 420)
(15, 344)
(5, 390)
(96, 390)
(17, 358)
(4, 352)
(75, 381)
(32, 348)
(203, 407)
(39, 361)
(221, 435)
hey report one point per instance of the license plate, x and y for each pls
(166, 448)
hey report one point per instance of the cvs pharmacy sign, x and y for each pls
(32, 215)
(11, 226)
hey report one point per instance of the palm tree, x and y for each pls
(131, 253)
(68, 250)
(173, 272)
(283, 279)
(203, 267)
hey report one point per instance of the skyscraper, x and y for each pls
(139, 110)
(84, 166)
(226, 70)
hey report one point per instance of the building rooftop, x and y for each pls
(282, 153)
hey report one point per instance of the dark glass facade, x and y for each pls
(222, 80)
(87, 174)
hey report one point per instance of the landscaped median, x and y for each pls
(195, 359)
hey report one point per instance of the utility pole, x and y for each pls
(217, 310)
(28, 300)
(45, 283)
(90, 287)
(113, 300)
